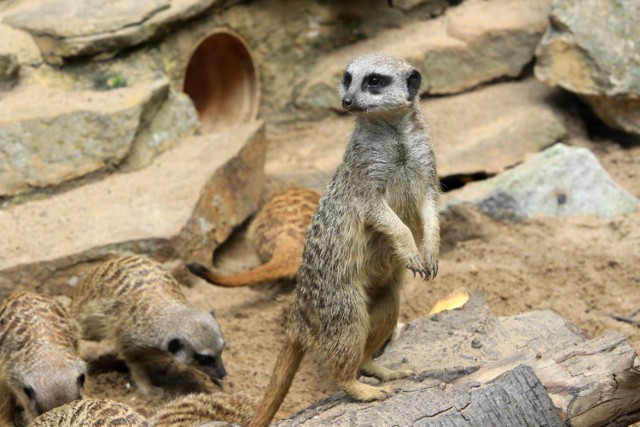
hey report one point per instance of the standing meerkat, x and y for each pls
(138, 306)
(378, 216)
(277, 233)
(39, 366)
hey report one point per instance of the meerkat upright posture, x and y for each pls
(378, 216)
(39, 366)
(277, 232)
(133, 302)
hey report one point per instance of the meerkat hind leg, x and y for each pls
(383, 317)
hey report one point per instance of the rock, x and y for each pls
(20, 44)
(175, 119)
(501, 125)
(48, 136)
(8, 68)
(561, 181)
(182, 206)
(463, 48)
(591, 48)
(87, 27)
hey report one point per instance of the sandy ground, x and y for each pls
(582, 267)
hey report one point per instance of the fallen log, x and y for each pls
(475, 369)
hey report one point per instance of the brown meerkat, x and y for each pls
(200, 409)
(277, 233)
(39, 365)
(204, 409)
(91, 412)
(378, 216)
(138, 306)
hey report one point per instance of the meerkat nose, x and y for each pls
(347, 101)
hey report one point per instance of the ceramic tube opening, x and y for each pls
(222, 81)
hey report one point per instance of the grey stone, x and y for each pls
(560, 181)
(19, 44)
(8, 67)
(180, 207)
(591, 48)
(48, 135)
(465, 47)
(176, 118)
(86, 27)
(502, 123)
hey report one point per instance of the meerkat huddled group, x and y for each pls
(347, 251)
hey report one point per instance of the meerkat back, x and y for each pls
(91, 412)
(126, 283)
(277, 233)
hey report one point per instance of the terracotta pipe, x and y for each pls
(221, 78)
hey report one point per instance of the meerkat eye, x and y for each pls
(204, 359)
(373, 82)
(174, 346)
(346, 79)
(81, 379)
(30, 392)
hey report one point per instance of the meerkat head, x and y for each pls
(49, 385)
(379, 84)
(198, 341)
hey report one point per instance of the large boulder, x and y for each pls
(591, 48)
(562, 180)
(501, 125)
(64, 29)
(181, 207)
(475, 42)
(50, 135)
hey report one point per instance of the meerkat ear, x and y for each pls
(413, 83)
(213, 313)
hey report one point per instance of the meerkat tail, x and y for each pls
(285, 369)
(284, 264)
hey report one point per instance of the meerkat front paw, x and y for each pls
(430, 267)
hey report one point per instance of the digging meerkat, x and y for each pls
(378, 216)
(139, 307)
(39, 365)
(277, 233)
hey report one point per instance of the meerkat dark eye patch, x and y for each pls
(374, 82)
(346, 80)
(80, 380)
(30, 392)
(204, 359)
(174, 346)
(413, 83)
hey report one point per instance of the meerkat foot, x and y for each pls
(372, 369)
(365, 392)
